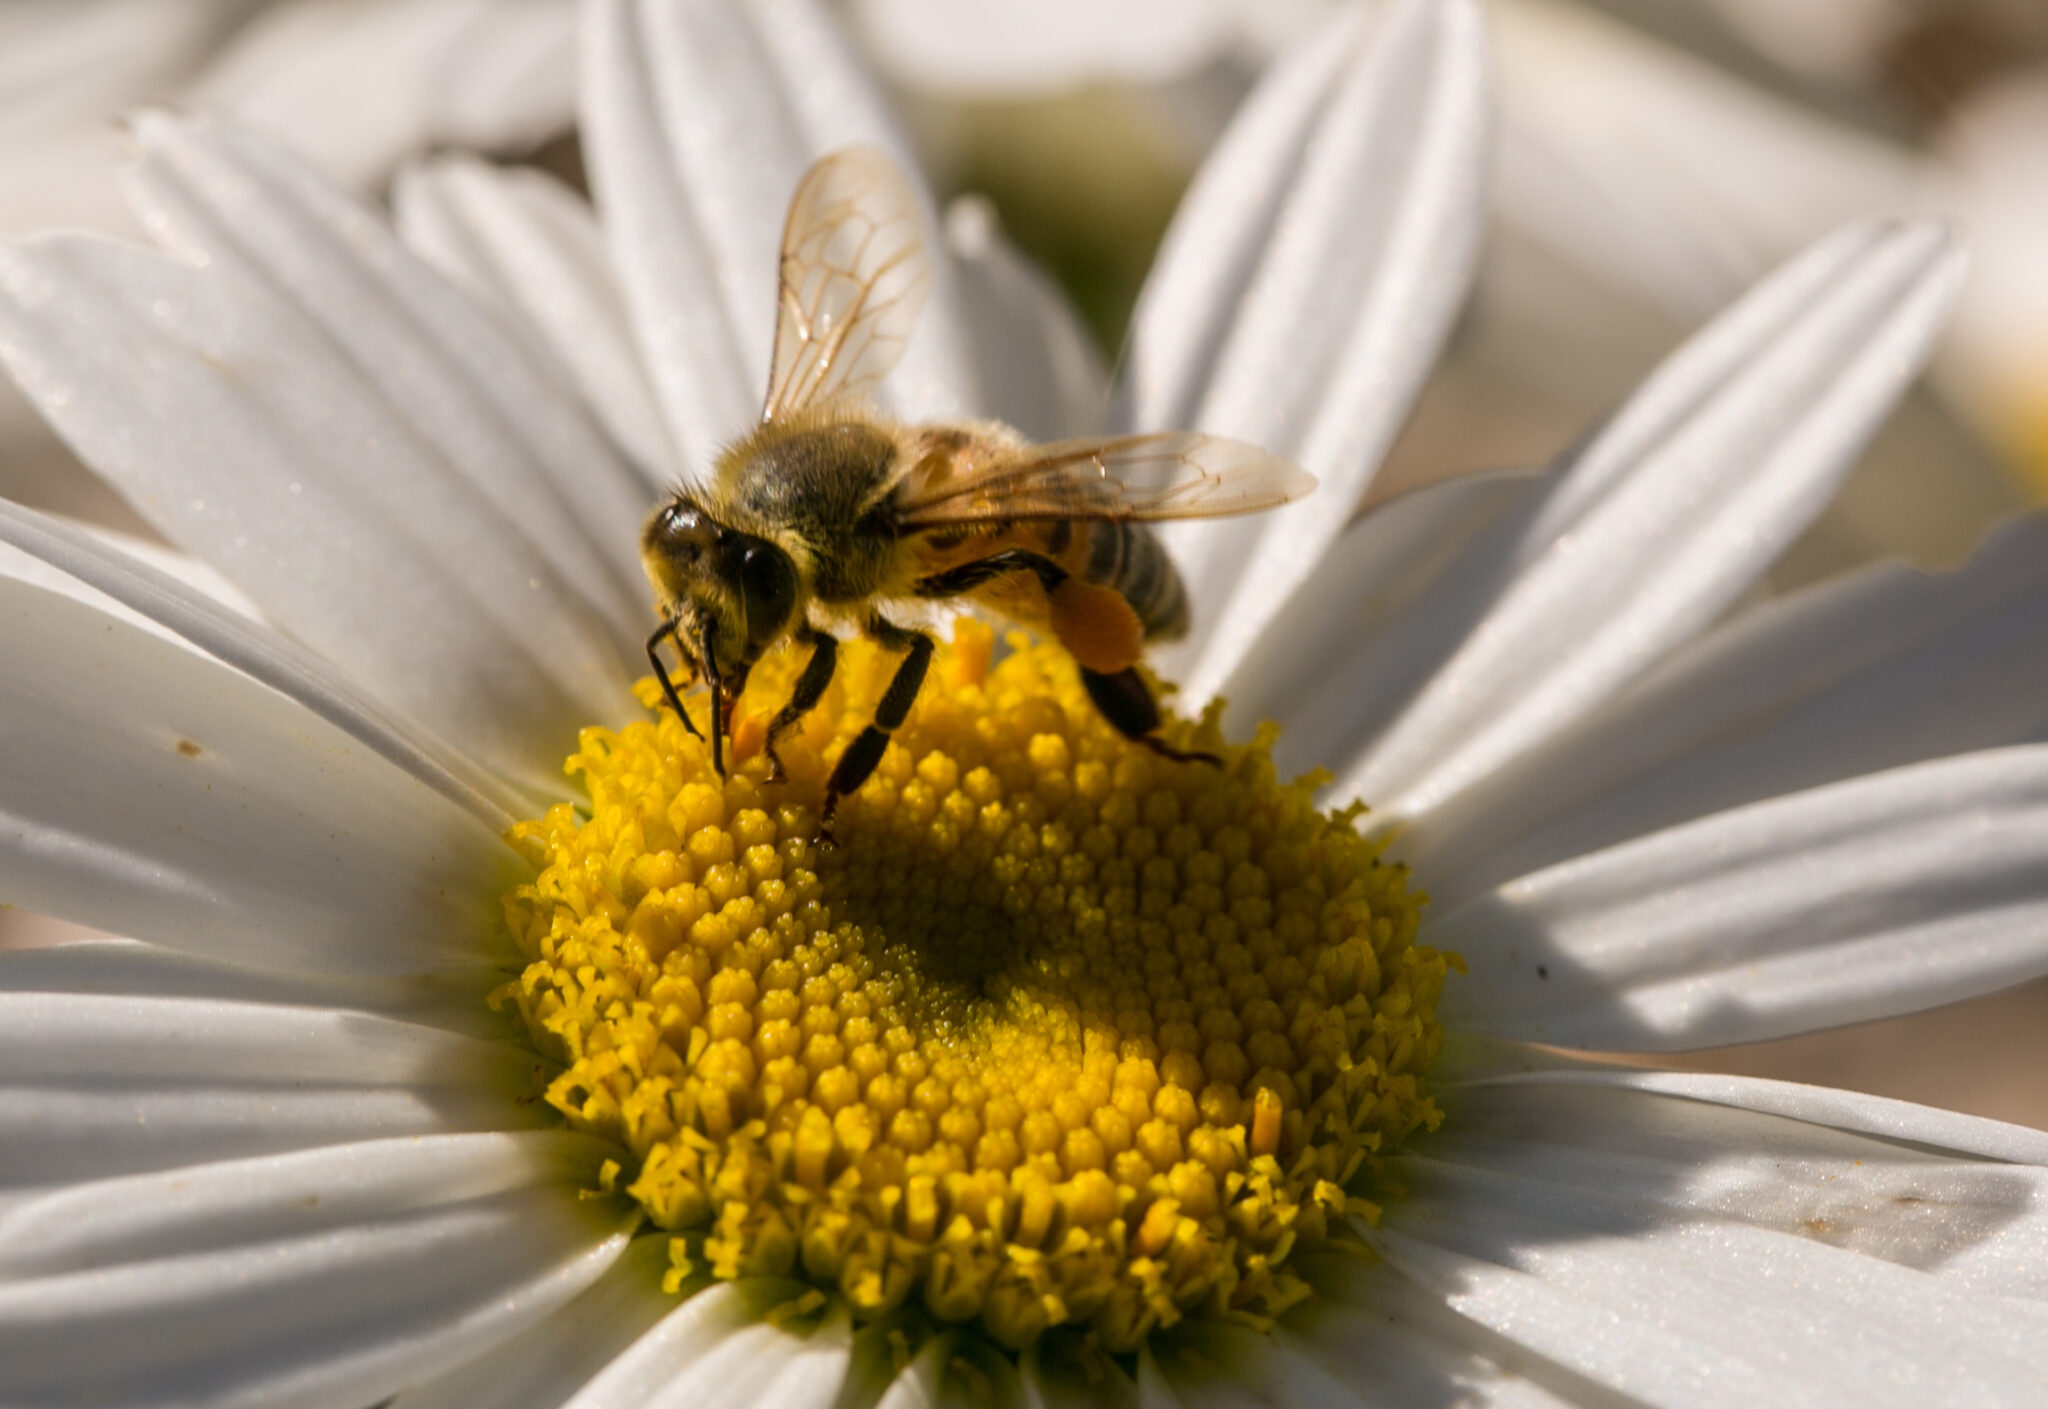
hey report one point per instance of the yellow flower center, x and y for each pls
(1059, 1033)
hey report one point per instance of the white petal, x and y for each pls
(213, 405)
(1386, 1342)
(1351, 273)
(1668, 1160)
(1362, 1340)
(454, 999)
(1712, 1316)
(82, 60)
(150, 791)
(1215, 1363)
(74, 1037)
(409, 1274)
(1212, 250)
(213, 1207)
(547, 1364)
(179, 567)
(958, 1369)
(1049, 1379)
(1880, 668)
(97, 1086)
(1858, 900)
(716, 1350)
(809, 1377)
(1670, 177)
(922, 1383)
(666, 263)
(1036, 366)
(1154, 1390)
(17, 565)
(164, 603)
(56, 1133)
(1882, 1116)
(873, 1362)
(531, 247)
(1016, 53)
(67, 67)
(1382, 610)
(1671, 1248)
(1673, 509)
(224, 199)
(360, 86)
(995, 1383)
(699, 118)
(738, 165)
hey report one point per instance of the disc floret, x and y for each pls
(1058, 1034)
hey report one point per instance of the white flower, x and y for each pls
(270, 1154)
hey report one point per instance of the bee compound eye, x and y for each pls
(768, 582)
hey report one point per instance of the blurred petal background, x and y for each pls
(359, 85)
(1651, 159)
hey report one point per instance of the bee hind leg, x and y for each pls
(968, 576)
(1126, 702)
(810, 688)
(868, 746)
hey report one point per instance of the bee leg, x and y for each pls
(968, 576)
(1126, 702)
(871, 743)
(668, 686)
(810, 688)
(721, 707)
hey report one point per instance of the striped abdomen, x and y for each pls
(1129, 559)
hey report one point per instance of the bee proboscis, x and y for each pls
(831, 517)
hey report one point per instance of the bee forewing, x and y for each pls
(855, 275)
(1171, 475)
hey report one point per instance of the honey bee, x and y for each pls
(829, 517)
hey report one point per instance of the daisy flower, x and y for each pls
(1068, 1076)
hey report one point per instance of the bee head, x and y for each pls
(734, 592)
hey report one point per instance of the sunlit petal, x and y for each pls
(1685, 495)
(154, 792)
